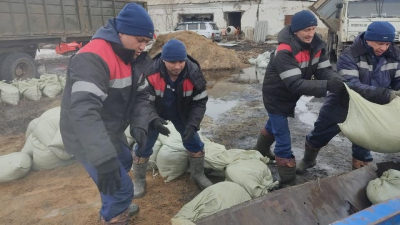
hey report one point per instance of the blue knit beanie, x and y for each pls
(134, 20)
(174, 50)
(302, 20)
(380, 31)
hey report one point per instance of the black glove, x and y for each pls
(158, 124)
(109, 176)
(188, 133)
(335, 85)
(140, 137)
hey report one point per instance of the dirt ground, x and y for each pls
(235, 115)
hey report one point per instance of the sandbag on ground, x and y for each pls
(30, 90)
(14, 166)
(153, 158)
(9, 94)
(28, 148)
(171, 162)
(253, 175)
(372, 126)
(51, 86)
(384, 188)
(211, 200)
(31, 127)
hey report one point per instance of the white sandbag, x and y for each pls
(373, 126)
(174, 140)
(14, 166)
(172, 163)
(46, 129)
(54, 111)
(57, 147)
(28, 148)
(9, 93)
(52, 86)
(44, 158)
(384, 188)
(31, 91)
(211, 200)
(128, 136)
(253, 175)
(31, 127)
(153, 158)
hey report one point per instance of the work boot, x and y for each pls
(133, 210)
(286, 170)
(309, 159)
(264, 142)
(121, 219)
(139, 168)
(357, 164)
(197, 169)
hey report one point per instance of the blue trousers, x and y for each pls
(325, 128)
(113, 205)
(194, 144)
(278, 126)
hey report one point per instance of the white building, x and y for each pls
(238, 13)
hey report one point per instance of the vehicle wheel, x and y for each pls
(18, 66)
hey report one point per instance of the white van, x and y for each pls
(207, 29)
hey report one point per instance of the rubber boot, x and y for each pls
(264, 142)
(139, 168)
(286, 170)
(357, 164)
(197, 169)
(121, 219)
(133, 210)
(309, 159)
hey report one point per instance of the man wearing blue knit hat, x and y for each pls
(299, 57)
(178, 93)
(371, 68)
(104, 93)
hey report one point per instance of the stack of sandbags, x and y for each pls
(29, 89)
(384, 188)
(51, 87)
(262, 60)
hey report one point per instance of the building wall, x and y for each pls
(273, 11)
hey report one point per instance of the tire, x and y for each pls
(18, 66)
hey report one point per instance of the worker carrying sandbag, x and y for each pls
(299, 56)
(104, 93)
(371, 68)
(178, 92)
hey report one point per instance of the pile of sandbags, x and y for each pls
(49, 85)
(262, 60)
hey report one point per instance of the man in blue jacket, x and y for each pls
(372, 69)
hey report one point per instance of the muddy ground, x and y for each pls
(235, 115)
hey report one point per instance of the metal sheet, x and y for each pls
(318, 202)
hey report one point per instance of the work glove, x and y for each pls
(140, 137)
(109, 176)
(188, 133)
(393, 95)
(158, 124)
(335, 85)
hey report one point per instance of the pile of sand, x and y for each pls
(210, 55)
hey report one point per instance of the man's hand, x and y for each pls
(158, 124)
(335, 85)
(140, 137)
(109, 176)
(188, 133)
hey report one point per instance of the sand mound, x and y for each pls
(210, 55)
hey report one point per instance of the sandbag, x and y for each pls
(384, 188)
(57, 147)
(9, 93)
(129, 137)
(31, 127)
(372, 126)
(153, 158)
(253, 175)
(174, 140)
(14, 166)
(211, 200)
(30, 90)
(46, 129)
(52, 86)
(172, 163)
(44, 158)
(28, 148)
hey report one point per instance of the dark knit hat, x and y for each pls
(302, 20)
(380, 31)
(174, 50)
(134, 20)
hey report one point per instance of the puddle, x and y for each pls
(249, 75)
(216, 107)
(302, 110)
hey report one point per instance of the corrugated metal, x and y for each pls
(260, 31)
(164, 2)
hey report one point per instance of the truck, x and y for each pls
(25, 24)
(346, 19)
